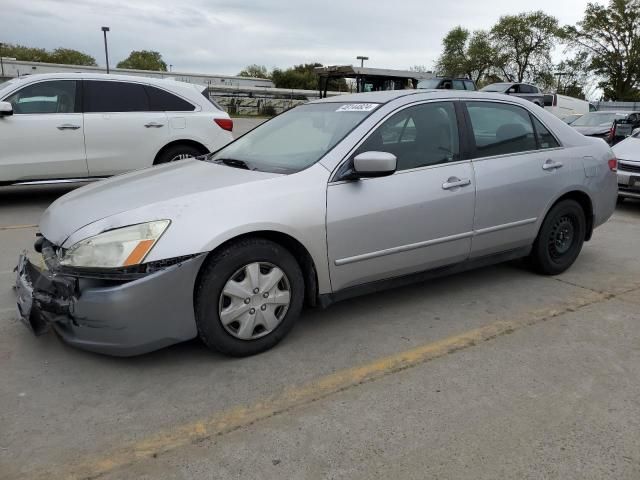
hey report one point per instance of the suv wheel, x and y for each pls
(248, 297)
(560, 238)
(177, 152)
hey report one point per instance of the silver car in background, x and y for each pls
(335, 198)
(628, 154)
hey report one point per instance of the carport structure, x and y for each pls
(369, 79)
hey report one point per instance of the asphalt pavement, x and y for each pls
(494, 373)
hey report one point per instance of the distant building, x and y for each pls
(17, 68)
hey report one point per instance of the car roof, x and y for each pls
(420, 94)
(106, 76)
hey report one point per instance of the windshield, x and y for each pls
(597, 119)
(495, 87)
(296, 139)
(431, 83)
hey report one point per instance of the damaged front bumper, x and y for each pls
(115, 317)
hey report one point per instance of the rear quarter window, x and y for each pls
(163, 101)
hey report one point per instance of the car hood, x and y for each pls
(598, 130)
(140, 188)
(628, 149)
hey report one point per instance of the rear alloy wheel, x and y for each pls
(177, 152)
(560, 238)
(248, 297)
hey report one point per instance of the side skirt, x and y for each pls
(325, 300)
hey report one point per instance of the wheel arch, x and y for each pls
(584, 200)
(183, 141)
(297, 249)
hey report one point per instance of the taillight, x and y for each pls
(613, 165)
(224, 123)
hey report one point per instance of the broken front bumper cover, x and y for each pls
(121, 318)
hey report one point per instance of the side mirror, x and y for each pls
(374, 164)
(6, 109)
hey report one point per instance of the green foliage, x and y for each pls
(523, 44)
(608, 37)
(59, 55)
(144, 60)
(255, 71)
(304, 77)
(465, 54)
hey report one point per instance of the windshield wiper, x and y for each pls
(232, 162)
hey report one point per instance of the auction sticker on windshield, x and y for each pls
(357, 107)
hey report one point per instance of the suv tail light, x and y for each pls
(613, 165)
(224, 123)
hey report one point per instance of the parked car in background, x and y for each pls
(447, 83)
(522, 90)
(569, 119)
(82, 126)
(563, 105)
(628, 154)
(608, 125)
(335, 198)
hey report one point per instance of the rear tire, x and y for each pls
(560, 239)
(248, 297)
(177, 152)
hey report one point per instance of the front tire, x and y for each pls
(560, 239)
(248, 297)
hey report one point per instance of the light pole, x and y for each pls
(170, 67)
(106, 50)
(1, 64)
(362, 59)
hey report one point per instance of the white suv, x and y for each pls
(81, 126)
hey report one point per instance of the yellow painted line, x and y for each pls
(17, 227)
(226, 421)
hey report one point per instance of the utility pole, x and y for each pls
(1, 64)
(106, 50)
(362, 59)
(170, 67)
(559, 75)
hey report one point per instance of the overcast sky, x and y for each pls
(222, 36)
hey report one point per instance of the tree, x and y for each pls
(144, 60)
(59, 55)
(465, 54)
(523, 44)
(304, 77)
(609, 38)
(255, 71)
(71, 57)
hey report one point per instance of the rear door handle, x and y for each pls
(154, 125)
(551, 165)
(68, 126)
(454, 182)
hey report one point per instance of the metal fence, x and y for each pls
(622, 106)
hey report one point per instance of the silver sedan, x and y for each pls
(335, 198)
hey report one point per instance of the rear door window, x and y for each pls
(500, 129)
(458, 85)
(163, 101)
(469, 84)
(544, 136)
(109, 96)
(526, 88)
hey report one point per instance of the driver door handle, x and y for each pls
(551, 165)
(68, 126)
(154, 125)
(455, 182)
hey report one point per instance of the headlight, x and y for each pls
(121, 247)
